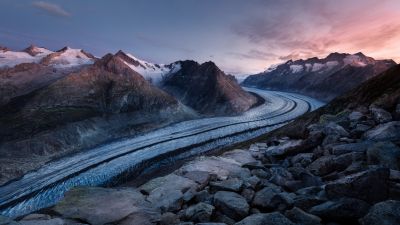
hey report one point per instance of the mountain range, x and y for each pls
(324, 78)
(55, 103)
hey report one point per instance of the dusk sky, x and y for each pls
(240, 36)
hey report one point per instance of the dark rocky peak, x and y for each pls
(114, 64)
(3, 48)
(125, 57)
(33, 50)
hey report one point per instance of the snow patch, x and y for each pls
(153, 72)
(317, 66)
(354, 60)
(296, 68)
(11, 58)
(71, 57)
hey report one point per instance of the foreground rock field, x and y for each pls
(346, 171)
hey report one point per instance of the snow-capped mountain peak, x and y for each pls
(150, 71)
(31, 54)
(37, 51)
(68, 57)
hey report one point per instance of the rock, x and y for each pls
(210, 223)
(169, 219)
(200, 177)
(221, 218)
(334, 129)
(286, 148)
(360, 129)
(274, 218)
(219, 166)
(103, 205)
(55, 221)
(303, 158)
(330, 163)
(383, 213)
(303, 178)
(341, 210)
(384, 132)
(260, 173)
(300, 217)
(280, 176)
(305, 202)
(36, 216)
(166, 193)
(254, 165)
(381, 115)
(7, 221)
(200, 212)
(356, 116)
(140, 218)
(248, 194)
(370, 186)
(330, 139)
(167, 200)
(231, 204)
(272, 199)
(171, 181)
(203, 196)
(189, 194)
(233, 184)
(240, 156)
(385, 154)
(348, 148)
(251, 182)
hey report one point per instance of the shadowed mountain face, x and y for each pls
(207, 89)
(105, 88)
(320, 78)
(382, 91)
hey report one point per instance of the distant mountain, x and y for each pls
(68, 57)
(320, 78)
(207, 89)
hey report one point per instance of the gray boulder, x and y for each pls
(356, 116)
(231, 204)
(384, 132)
(381, 115)
(103, 205)
(265, 219)
(233, 184)
(300, 217)
(343, 209)
(385, 154)
(383, 213)
(348, 148)
(200, 212)
(371, 186)
(272, 199)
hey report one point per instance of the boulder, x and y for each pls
(289, 147)
(218, 166)
(330, 163)
(169, 219)
(171, 181)
(240, 156)
(231, 204)
(7, 221)
(54, 221)
(341, 210)
(232, 184)
(260, 173)
(200, 177)
(332, 128)
(371, 186)
(304, 159)
(201, 212)
(356, 116)
(348, 148)
(383, 213)
(103, 205)
(265, 219)
(271, 199)
(384, 132)
(305, 202)
(167, 200)
(300, 217)
(385, 154)
(248, 194)
(380, 115)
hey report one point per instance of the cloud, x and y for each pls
(253, 54)
(51, 8)
(308, 28)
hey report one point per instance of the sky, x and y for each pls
(241, 36)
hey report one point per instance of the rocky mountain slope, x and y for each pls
(320, 78)
(207, 89)
(343, 169)
(48, 110)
